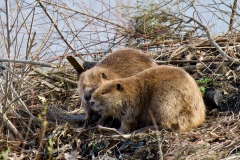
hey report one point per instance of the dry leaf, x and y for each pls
(42, 99)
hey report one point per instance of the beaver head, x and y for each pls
(107, 99)
(89, 81)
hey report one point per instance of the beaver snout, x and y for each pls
(88, 93)
(87, 96)
(92, 103)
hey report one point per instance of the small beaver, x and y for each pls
(119, 64)
(170, 93)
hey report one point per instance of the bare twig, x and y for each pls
(55, 77)
(58, 30)
(54, 88)
(9, 54)
(43, 64)
(10, 125)
(212, 41)
(5, 67)
(209, 35)
(232, 18)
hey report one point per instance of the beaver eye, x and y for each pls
(103, 92)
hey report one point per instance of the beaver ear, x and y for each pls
(104, 76)
(119, 87)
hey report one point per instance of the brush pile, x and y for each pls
(43, 118)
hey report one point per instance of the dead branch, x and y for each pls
(209, 35)
(65, 80)
(57, 114)
(232, 18)
(54, 88)
(10, 125)
(43, 64)
(58, 30)
(102, 128)
(10, 70)
(88, 15)
(212, 41)
(189, 61)
(55, 77)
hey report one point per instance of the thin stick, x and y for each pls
(58, 30)
(232, 18)
(9, 54)
(43, 64)
(10, 125)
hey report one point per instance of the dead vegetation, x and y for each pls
(40, 112)
(55, 129)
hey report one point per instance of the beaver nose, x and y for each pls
(92, 103)
(87, 97)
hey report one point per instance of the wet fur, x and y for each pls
(170, 93)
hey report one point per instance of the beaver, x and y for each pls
(168, 92)
(119, 64)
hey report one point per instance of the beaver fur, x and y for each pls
(169, 93)
(119, 64)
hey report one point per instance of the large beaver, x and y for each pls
(119, 64)
(170, 93)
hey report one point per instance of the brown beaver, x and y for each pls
(119, 64)
(170, 93)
